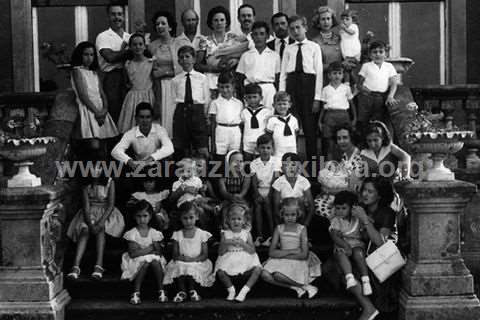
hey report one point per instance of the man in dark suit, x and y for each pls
(279, 23)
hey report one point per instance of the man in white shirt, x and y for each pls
(112, 48)
(279, 22)
(149, 141)
(189, 36)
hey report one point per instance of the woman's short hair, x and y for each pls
(347, 127)
(321, 10)
(214, 11)
(170, 19)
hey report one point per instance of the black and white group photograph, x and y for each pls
(239, 160)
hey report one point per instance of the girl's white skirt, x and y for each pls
(201, 272)
(130, 267)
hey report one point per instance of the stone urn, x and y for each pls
(22, 151)
(440, 145)
(401, 64)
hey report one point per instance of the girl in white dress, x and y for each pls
(190, 264)
(291, 264)
(155, 198)
(144, 250)
(98, 217)
(94, 123)
(236, 253)
(139, 73)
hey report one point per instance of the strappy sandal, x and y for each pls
(135, 299)
(97, 272)
(180, 297)
(74, 273)
(194, 296)
(162, 297)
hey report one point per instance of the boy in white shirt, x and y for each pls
(260, 65)
(283, 126)
(265, 170)
(225, 117)
(254, 118)
(301, 76)
(337, 102)
(377, 85)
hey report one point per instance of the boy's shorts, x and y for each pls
(227, 138)
(333, 119)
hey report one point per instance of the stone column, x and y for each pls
(436, 283)
(31, 279)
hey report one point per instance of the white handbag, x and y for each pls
(385, 261)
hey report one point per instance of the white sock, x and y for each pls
(243, 293)
(349, 275)
(231, 293)
(365, 279)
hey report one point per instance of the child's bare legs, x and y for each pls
(185, 283)
(252, 279)
(100, 245)
(227, 282)
(343, 261)
(137, 283)
(254, 275)
(81, 246)
(358, 256)
(158, 271)
(278, 279)
(346, 267)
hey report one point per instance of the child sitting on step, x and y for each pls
(144, 250)
(98, 217)
(291, 264)
(236, 253)
(190, 265)
(345, 232)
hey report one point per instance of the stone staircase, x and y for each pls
(108, 298)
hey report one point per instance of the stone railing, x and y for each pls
(461, 107)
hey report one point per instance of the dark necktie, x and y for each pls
(282, 47)
(299, 60)
(286, 131)
(253, 119)
(188, 90)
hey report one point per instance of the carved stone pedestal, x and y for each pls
(31, 280)
(436, 284)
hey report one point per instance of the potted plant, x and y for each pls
(21, 142)
(427, 134)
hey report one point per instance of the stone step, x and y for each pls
(325, 308)
(113, 255)
(112, 287)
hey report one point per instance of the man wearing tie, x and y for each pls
(191, 93)
(301, 76)
(279, 22)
